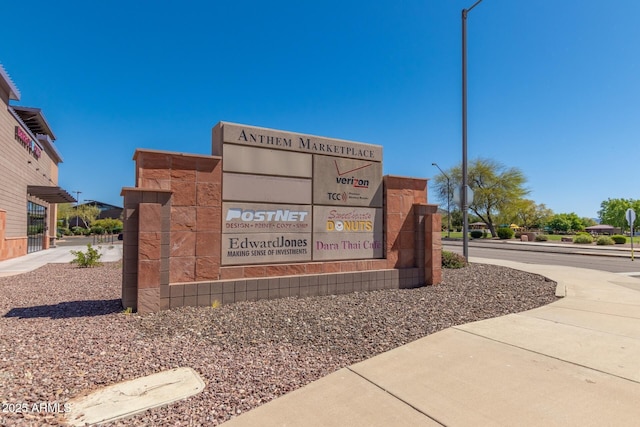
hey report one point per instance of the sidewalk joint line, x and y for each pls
(547, 355)
(396, 397)
(586, 311)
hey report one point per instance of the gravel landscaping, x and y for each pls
(64, 333)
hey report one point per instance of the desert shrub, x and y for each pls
(618, 239)
(583, 238)
(505, 233)
(541, 238)
(476, 234)
(605, 240)
(453, 260)
(96, 229)
(90, 258)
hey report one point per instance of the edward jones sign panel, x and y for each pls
(265, 248)
(347, 233)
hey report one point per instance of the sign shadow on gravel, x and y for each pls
(68, 309)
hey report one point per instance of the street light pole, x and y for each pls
(78, 192)
(448, 199)
(465, 184)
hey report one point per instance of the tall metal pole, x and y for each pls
(448, 199)
(465, 184)
(78, 192)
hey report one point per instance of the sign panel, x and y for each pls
(347, 233)
(328, 246)
(238, 158)
(262, 248)
(265, 218)
(261, 188)
(280, 140)
(346, 182)
(291, 197)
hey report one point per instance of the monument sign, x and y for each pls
(291, 197)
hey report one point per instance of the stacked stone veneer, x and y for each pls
(173, 231)
(10, 247)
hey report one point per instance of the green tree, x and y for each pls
(588, 222)
(64, 213)
(526, 213)
(495, 187)
(565, 222)
(87, 214)
(612, 212)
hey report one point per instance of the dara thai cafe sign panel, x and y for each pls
(291, 197)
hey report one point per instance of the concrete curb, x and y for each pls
(617, 252)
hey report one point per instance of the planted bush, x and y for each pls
(583, 239)
(476, 234)
(505, 233)
(90, 258)
(453, 260)
(618, 239)
(605, 240)
(541, 238)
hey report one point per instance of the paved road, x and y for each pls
(593, 258)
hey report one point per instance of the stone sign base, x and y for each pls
(173, 230)
(253, 289)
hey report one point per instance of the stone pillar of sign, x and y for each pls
(171, 227)
(429, 243)
(145, 269)
(401, 194)
(130, 216)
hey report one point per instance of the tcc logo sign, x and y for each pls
(338, 196)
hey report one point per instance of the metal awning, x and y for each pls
(50, 194)
(34, 119)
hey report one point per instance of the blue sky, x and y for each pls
(553, 85)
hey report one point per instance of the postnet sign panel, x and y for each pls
(291, 197)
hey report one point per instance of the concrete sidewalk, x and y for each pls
(61, 254)
(575, 362)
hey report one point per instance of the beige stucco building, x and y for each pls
(29, 188)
